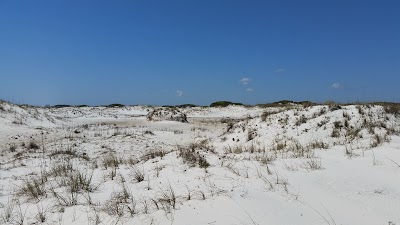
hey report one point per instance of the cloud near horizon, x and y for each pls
(249, 90)
(245, 81)
(179, 93)
(280, 70)
(336, 85)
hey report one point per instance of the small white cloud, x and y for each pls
(245, 81)
(249, 90)
(280, 70)
(179, 93)
(336, 85)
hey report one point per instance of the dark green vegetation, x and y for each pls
(224, 104)
(287, 103)
(181, 106)
(115, 105)
(61, 106)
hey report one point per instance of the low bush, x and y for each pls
(13, 148)
(267, 114)
(115, 105)
(33, 188)
(138, 174)
(224, 104)
(33, 145)
(191, 155)
(110, 160)
(154, 153)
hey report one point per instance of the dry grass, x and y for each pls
(154, 153)
(195, 153)
(378, 140)
(267, 114)
(138, 174)
(317, 145)
(110, 160)
(34, 188)
(312, 164)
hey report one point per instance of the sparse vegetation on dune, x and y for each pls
(285, 103)
(100, 165)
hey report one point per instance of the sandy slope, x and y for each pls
(295, 165)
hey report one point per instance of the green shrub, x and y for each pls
(223, 104)
(115, 105)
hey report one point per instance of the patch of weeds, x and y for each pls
(13, 148)
(391, 108)
(290, 146)
(115, 205)
(191, 155)
(321, 112)
(168, 199)
(138, 174)
(266, 159)
(302, 119)
(318, 145)
(79, 182)
(251, 134)
(41, 215)
(267, 114)
(68, 151)
(346, 123)
(312, 164)
(148, 132)
(333, 106)
(120, 202)
(203, 144)
(229, 127)
(8, 212)
(323, 122)
(346, 115)
(178, 131)
(337, 125)
(61, 170)
(353, 133)
(360, 110)
(33, 145)
(378, 140)
(110, 160)
(132, 161)
(154, 153)
(65, 199)
(203, 163)
(33, 188)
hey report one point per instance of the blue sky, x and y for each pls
(175, 52)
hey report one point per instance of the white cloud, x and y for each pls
(245, 81)
(179, 93)
(336, 85)
(280, 70)
(249, 89)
